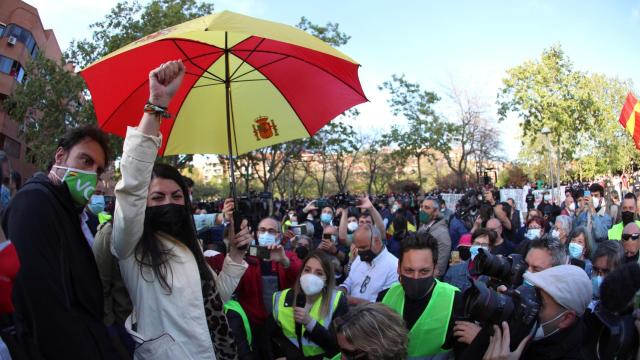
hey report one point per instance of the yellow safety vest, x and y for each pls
(285, 319)
(235, 306)
(103, 217)
(429, 333)
(615, 233)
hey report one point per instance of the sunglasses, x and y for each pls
(634, 236)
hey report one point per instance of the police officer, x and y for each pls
(426, 304)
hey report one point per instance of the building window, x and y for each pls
(10, 146)
(12, 67)
(23, 35)
(5, 64)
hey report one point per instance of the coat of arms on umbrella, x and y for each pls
(264, 128)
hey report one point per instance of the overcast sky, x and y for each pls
(436, 43)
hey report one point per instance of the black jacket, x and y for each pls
(325, 338)
(565, 345)
(57, 294)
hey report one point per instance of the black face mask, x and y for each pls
(302, 252)
(632, 258)
(171, 219)
(465, 253)
(628, 217)
(367, 255)
(416, 289)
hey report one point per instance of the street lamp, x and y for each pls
(546, 131)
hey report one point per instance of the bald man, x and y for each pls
(631, 242)
(500, 247)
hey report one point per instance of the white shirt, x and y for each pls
(366, 281)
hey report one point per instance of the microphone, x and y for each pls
(301, 301)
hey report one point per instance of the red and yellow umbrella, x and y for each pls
(250, 83)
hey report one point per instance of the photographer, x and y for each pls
(318, 221)
(564, 291)
(594, 215)
(426, 304)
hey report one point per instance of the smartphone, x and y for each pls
(260, 251)
(455, 257)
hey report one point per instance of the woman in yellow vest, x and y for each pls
(303, 314)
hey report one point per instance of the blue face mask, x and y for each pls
(575, 250)
(96, 204)
(596, 281)
(326, 218)
(474, 251)
(266, 239)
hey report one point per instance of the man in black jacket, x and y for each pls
(57, 293)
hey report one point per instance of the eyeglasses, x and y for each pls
(270, 231)
(633, 236)
(364, 285)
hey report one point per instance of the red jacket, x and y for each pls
(249, 290)
(9, 266)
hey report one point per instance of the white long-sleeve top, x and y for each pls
(156, 312)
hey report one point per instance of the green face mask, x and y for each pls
(81, 184)
(424, 217)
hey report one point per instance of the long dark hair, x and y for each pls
(150, 254)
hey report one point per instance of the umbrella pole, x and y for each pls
(227, 91)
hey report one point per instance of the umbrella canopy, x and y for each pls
(249, 84)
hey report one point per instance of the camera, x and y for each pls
(503, 270)
(260, 251)
(345, 200)
(252, 207)
(518, 307)
(323, 203)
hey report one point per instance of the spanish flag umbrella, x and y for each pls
(250, 83)
(630, 118)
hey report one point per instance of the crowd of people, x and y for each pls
(156, 276)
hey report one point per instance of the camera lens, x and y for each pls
(484, 304)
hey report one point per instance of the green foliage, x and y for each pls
(512, 176)
(48, 103)
(329, 33)
(130, 21)
(426, 131)
(579, 108)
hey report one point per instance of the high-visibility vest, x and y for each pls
(285, 319)
(615, 233)
(429, 333)
(103, 217)
(235, 306)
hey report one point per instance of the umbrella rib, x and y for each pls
(201, 76)
(309, 63)
(196, 65)
(245, 59)
(205, 85)
(259, 67)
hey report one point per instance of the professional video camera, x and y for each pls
(502, 270)
(518, 306)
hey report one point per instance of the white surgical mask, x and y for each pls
(533, 233)
(555, 233)
(547, 197)
(311, 284)
(540, 334)
(266, 239)
(352, 226)
(572, 207)
(596, 202)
